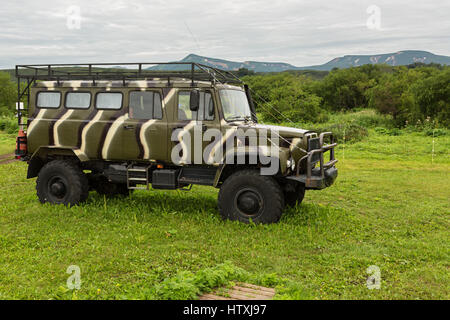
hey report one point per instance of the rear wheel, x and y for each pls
(247, 196)
(62, 182)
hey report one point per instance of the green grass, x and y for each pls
(7, 143)
(389, 207)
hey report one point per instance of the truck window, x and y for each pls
(206, 104)
(50, 100)
(109, 100)
(78, 100)
(145, 105)
(184, 112)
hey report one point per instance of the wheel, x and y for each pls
(104, 187)
(294, 194)
(62, 182)
(246, 195)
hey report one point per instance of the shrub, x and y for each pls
(367, 118)
(186, 285)
(9, 125)
(8, 94)
(435, 132)
(348, 132)
(389, 132)
(284, 96)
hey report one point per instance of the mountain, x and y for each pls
(394, 59)
(401, 58)
(229, 65)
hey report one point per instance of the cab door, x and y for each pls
(144, 130)
(188, 129)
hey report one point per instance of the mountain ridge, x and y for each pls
(398, 58)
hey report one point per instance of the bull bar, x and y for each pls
(323, 176)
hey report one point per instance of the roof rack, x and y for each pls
(192, 71)
(124, 71)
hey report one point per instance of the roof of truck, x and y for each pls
(154, 83)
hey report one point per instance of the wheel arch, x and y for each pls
(41, 156)
(227, 169)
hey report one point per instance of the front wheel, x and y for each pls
(247, 196)
(294, 194)
(62, 182)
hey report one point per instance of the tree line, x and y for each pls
(410, 94)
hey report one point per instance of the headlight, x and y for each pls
(291, 164)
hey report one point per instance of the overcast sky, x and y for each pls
(293, 31)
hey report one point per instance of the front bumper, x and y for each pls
(322, 176)
(316, 181)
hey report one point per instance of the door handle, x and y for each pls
(177, 128)
(128, 127)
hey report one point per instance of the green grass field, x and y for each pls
(389, 207)
(7, 143)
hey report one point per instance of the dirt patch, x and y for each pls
(7, 158)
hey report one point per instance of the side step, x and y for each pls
(138, 176)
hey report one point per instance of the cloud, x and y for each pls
(297, 32)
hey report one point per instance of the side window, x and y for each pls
(109, 100)
(78, 100)
(184, 112)
(208, 106)
(145, 105)
(205, 110)
(50, 100)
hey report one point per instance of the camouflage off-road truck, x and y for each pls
(116, 130)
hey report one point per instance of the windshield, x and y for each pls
(235, 105)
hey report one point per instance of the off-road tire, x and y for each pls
(62, 182)
(291, 198)
(262, 191)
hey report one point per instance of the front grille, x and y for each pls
(313, 144)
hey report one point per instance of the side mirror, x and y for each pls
(194, 100)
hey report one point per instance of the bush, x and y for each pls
(187, 286)
(285, 96)
(348, 132)
(8, 94)
(403, 95)
(389, 132)
(345, 89)
(9, 125)
(435, 132)
(414, 96)
(432, 97)
(367, 118)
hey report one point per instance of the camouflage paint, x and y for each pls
(100, 135)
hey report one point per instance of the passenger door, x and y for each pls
(144, 130)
